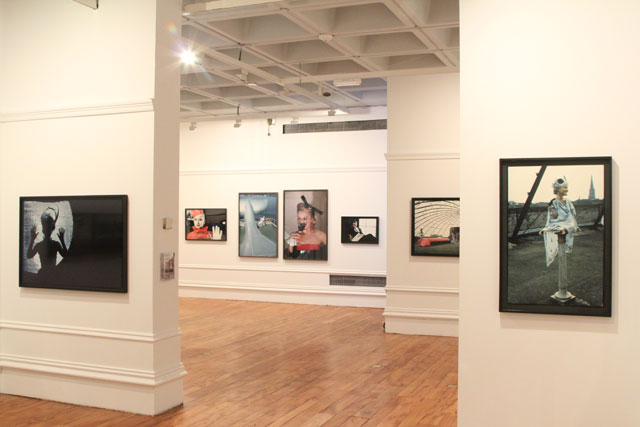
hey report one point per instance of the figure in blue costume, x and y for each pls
(558, 235)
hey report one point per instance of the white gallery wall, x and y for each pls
(547, 79)
(89, 107)
(423, 161)
(218, 161)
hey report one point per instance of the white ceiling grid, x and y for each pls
(275, 58)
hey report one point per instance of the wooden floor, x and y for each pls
(265, 364)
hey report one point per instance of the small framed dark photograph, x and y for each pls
(258, 225)
(305, 224)
(74, 242)
(205, 224)
(360, 229)
(435, 226)
(555, 236)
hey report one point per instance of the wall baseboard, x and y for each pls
(90, 332)
(421, 321)
(425, 290)
(94, 372)
(335, 295)
(283, 269)
(104, 109)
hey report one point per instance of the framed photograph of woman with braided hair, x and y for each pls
(435, 226)
(305, 224)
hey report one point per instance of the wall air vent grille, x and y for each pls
(335, 126)
(340, 280)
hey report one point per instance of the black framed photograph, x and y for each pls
(435, 226)
(258, 225)
(360, 229)
(74, 242)
(305, 224)
(205, 224)
(555, 236)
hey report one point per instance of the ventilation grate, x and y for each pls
(335, 126)
(339, 280)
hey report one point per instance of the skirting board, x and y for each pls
(334, 295)
(421, 322)
(138, 399)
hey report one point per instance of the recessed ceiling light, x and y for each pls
(252, 84)
(325, 37)
(356, 81)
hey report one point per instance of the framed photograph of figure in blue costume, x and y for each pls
(555, 236)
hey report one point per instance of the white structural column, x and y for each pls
(422, 161)
(534, 84)
(89, 106)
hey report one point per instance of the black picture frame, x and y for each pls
(213, 229)
(358, 230)
(435, 226)
(538, 226)
(74, 243)
(264, 230)
(316, 201)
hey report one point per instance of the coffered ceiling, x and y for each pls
(291, 58)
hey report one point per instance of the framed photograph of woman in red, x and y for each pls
(205, 224)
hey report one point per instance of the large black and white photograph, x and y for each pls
(555, 235)
(305, 224)
(258, 225)
(435, 226)
(74, 242)
(360, 229)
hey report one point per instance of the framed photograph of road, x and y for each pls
(435, 226)
(258, 225)
(555, 236)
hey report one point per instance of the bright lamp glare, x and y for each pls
(188, 57)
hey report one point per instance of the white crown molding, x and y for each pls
(422, 290)
(125, 107)
(284, 270)
(353, 169)
(393, 157)
(333, 290)
(91, 332)
(97, 372)
(421, 313)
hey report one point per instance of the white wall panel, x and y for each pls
(534, 84)
(219, 161)
(423, 161)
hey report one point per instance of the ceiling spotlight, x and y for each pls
(237, 124)
(294, 120)
(188, 57)
(331, 112)
(325, 37)
(193, 125)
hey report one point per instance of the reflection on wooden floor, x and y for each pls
(266, 364)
